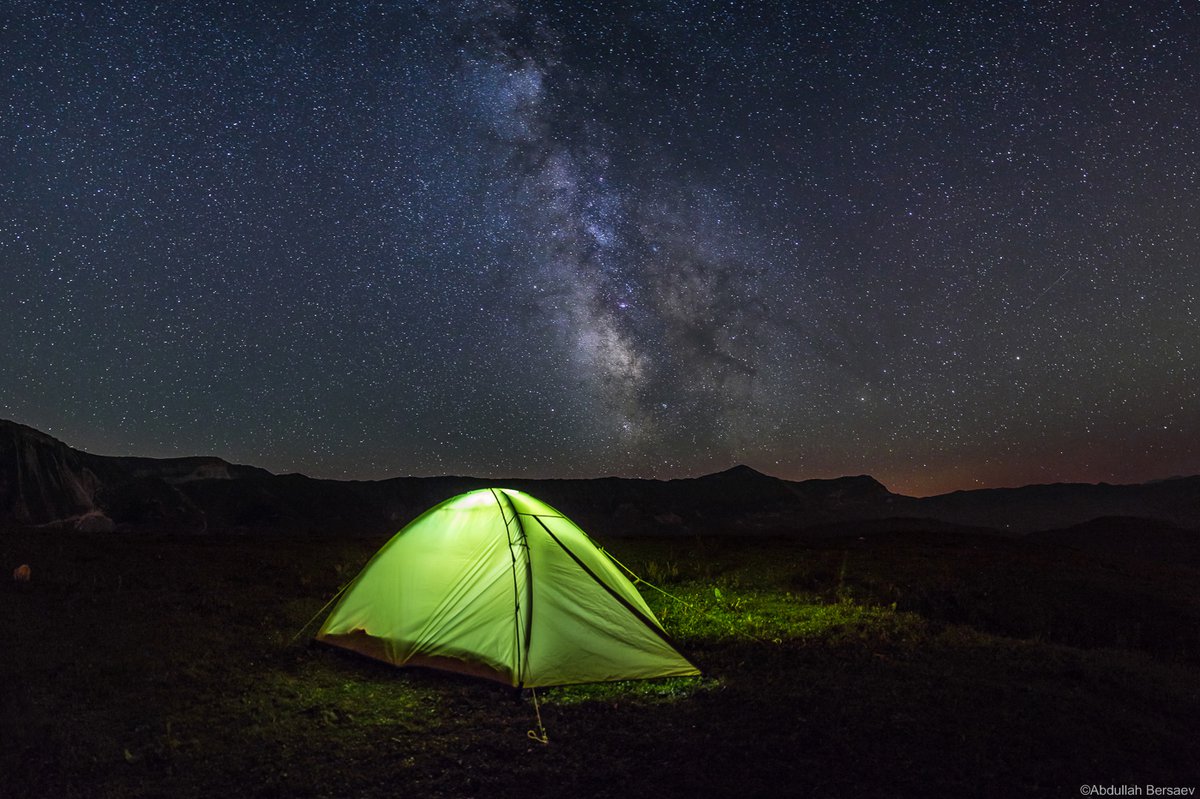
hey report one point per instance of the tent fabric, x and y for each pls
(498, 584)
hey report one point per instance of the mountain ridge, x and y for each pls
(44, 481)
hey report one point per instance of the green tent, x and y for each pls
(497, 584)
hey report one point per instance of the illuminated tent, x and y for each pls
(497, 584)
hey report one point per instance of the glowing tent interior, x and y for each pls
(497, 584)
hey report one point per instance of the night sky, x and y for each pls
(951, 247)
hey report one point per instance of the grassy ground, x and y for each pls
(909, 665)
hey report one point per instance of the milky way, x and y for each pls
(950, 247)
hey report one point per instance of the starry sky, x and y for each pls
(950, 245)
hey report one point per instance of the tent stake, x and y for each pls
(540, 735)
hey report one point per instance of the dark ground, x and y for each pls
(899, 664)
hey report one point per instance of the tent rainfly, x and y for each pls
(497, 584)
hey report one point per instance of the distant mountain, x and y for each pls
(1041, 507)
(42, 480)
(45, 482)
